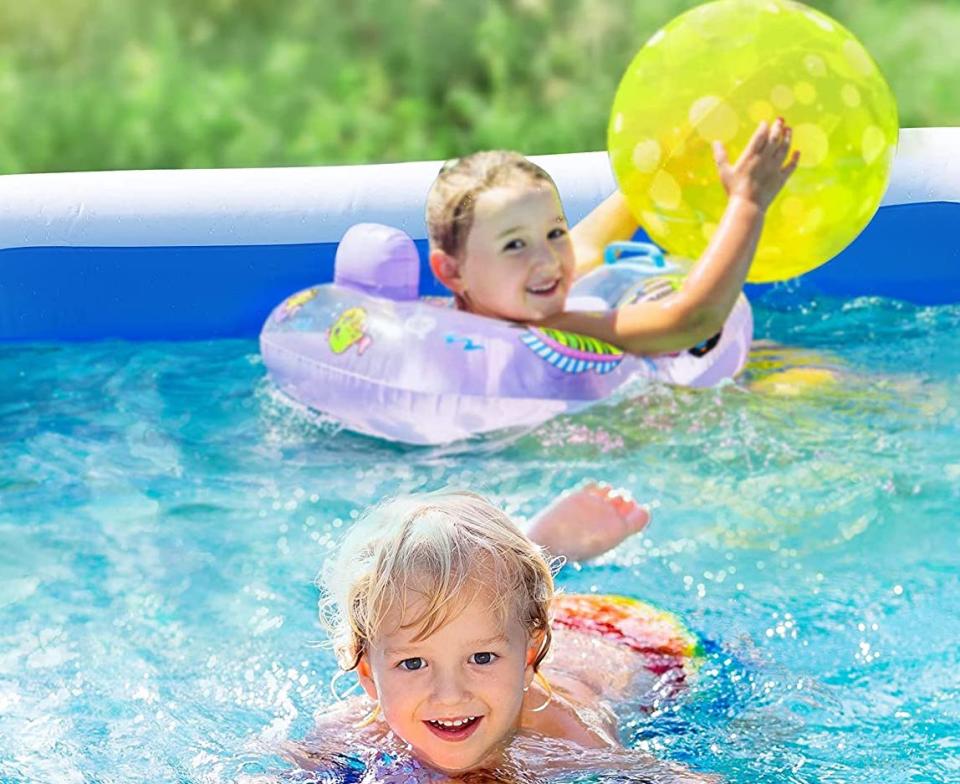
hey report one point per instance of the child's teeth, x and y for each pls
(455, 723)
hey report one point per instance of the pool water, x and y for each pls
(163, 514)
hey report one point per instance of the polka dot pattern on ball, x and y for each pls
(716, 72)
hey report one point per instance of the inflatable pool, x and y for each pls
(197, 254)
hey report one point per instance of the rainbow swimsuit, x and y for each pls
(666, 644)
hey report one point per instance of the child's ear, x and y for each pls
(365, 675)
(446, 268)
(533, 653)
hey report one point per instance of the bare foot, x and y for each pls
(588, 521)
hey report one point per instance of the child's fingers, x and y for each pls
(599, 489)
(791, 166)
(778, 153)
(785, 139)
(759, 139)
(637, 518)
(723, 163)
(720, 155)
(623, 505)
(776, 131)
(778, 146)
(619, 499)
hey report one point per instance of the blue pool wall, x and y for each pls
(90, 281)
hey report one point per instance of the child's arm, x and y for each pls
(337, 732)
(698, 310)
(608, 222)
(542, 759)
(588, 521)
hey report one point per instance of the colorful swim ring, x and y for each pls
(370, 353)
(666, 645)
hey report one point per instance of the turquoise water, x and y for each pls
(163, 515)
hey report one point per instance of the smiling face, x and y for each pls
(517, 262)
(456, 695)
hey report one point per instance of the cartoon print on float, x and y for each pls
(572, 353)
(453, 339)
(294, 302)
(348, 330)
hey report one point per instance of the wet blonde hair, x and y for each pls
(434, 544)
(460, 182)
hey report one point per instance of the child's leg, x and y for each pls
(588, 521)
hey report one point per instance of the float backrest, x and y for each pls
(378, 260)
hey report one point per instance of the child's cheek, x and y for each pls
(397, 719)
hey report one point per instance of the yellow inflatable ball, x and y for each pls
(714, 73)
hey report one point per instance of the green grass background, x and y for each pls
(128, 84)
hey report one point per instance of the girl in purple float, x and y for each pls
(499, 241)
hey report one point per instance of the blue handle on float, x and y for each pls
(636, 253)
(643, 257)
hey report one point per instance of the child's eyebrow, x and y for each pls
(392, 652)
(505, 232)
(496, 638)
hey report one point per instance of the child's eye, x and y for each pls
(556, 233)
(515, 245)
(412, 664)
(484, 657)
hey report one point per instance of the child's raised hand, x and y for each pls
(763, 167)
(588, 521)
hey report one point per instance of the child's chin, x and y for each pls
(545, 311)
(545, 307)
(456, 762)
(454, 767)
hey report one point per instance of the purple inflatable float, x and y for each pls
(367, 351)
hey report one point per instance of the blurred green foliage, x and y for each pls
(126, 84)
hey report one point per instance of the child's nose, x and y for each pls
(449, 688)
(549, 255)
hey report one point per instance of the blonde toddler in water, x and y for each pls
(499, 240)
(440, 605)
